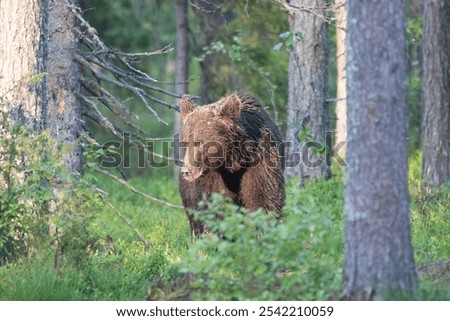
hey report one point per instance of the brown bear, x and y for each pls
(234, 148)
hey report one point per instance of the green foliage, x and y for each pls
(41, 204)
(287, 39)
(436, 290)
(164, 227)
(414, 32)
(414, 29)
(255, 257)
(243, 56)
(133, 26)
(431, 217)
(251, 256)
(124, 276)
(51, 217)
(53, 228)
(233, 51)
(37, 281)
(37, 78)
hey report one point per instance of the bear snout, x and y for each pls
(186, 171)
(191, 173)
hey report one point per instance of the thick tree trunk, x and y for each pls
(22, 61)
(341, 103)
(436, 90)
(378, 251)
(39, 78)
(63, 110)
(307, 109)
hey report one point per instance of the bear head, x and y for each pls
(209, 134)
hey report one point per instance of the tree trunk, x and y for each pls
(181, 47)
(415, 74)
(341, 103)
(307, 109)
(22, 62)
(210, 19)
(436, 89)
(40, 79)
(181, 60)
(378, 252)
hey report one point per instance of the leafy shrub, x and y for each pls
(42, 205)
(249, 256)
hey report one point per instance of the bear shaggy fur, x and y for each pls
(230, 147)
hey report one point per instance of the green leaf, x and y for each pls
(285, 35)
(278, 46)
(234, 52)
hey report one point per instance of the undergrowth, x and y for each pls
(252, 257)
(58, 241)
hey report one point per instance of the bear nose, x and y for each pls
(186, 171)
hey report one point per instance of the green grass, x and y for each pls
(430, 215)
(164, 227)
(309, 243)
(38, 281)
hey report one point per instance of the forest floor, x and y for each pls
(309, 243)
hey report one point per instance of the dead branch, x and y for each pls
(208, 8)
(135, 190)
(102, 194)
(106, 124)
(92, 141)
(436, 270)
(127, 222)
(325, 12)
(110, 66)
(107, 66)
(106, 70)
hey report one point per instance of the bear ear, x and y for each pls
(186, 106)
(231, 107)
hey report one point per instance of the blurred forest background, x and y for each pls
(117, 232)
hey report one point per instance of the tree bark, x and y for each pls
(21, 27)
(415, 74)
(40, 79)
(341, 103)
(209, 19)
(436, 89)
(307, 110)
(181, 47)
(378, 252)
(181, 61)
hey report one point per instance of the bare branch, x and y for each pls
(127, 222)
(286, 6)
(104, 68)
(135, 190)
(121, 84)
(325, 12)
(214, 8)
(102, 194)
(161, 51)
(130, 76)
